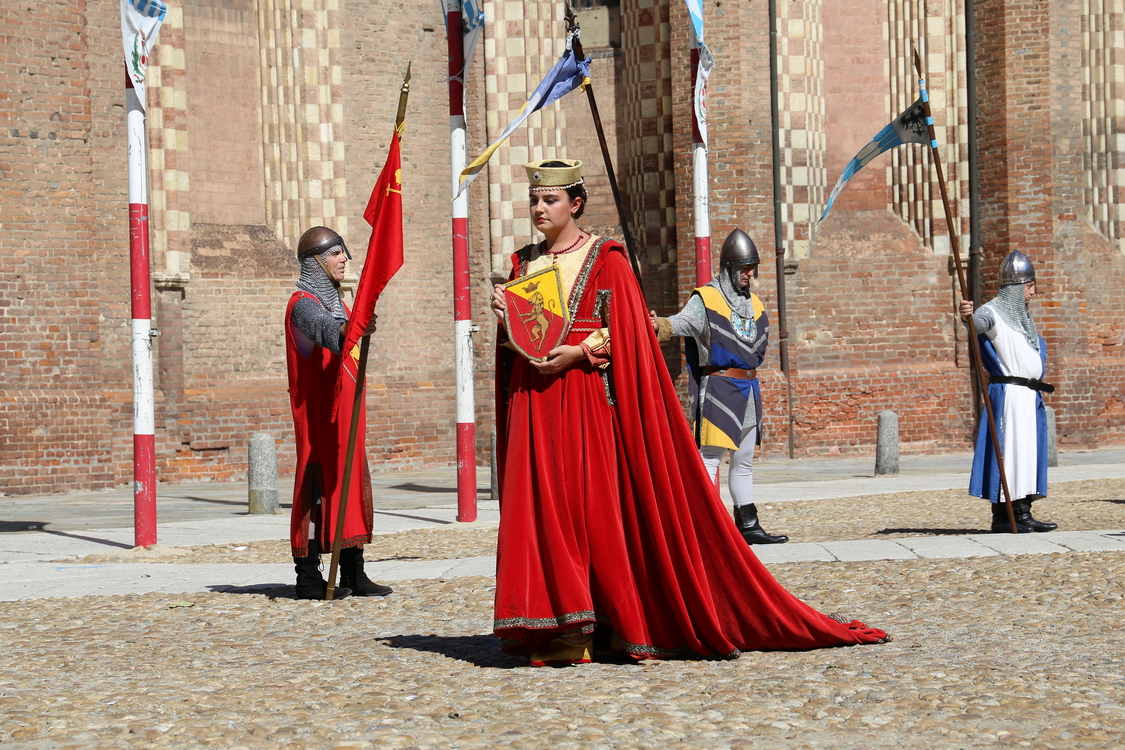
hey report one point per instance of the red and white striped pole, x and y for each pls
(462, 295)
(144, 421)
(701, 200)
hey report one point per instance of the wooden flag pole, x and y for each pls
(630, 245)
(357, 404)
(357, 400)
(955, 246)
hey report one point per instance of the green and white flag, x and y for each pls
(140, 23)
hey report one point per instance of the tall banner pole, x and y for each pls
(955, 247)
(144, 418)
(462, 293)
(626, 233)
(140, 25)
(779, 252)
(384, 258)
(701, 201)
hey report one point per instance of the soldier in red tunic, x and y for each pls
(315, 321)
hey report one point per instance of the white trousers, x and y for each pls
(740, 479)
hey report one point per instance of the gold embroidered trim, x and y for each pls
(589, 618)
(543, 623)
(579, 288)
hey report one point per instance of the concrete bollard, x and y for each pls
(1052, 438)
(886, 444)
(263, 474)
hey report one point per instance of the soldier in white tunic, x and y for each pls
(1015, 357)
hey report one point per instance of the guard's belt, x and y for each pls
(731, 372)
(1032, 383)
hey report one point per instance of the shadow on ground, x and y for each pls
(272, 590)
(479, 650)
(10, 526)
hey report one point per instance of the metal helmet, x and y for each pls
(738, 251)
(318, 239)
(1016, 269)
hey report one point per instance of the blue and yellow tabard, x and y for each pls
(725, 409)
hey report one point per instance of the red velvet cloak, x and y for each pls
(321, 444)
(608, 515)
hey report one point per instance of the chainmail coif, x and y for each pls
(739, 300)
(1010, 305)
(315, 281)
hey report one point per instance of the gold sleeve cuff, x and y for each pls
(596, 346)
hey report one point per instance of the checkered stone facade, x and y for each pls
(168, 142)
(302, 116)
(937, 31)
(804, 176)
(1103, 127)
(522, 41)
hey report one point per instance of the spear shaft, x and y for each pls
(955, 246)
(630, 245)
(357, 400)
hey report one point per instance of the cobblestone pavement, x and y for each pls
(988, 652)
(1009, 650)
(1074, 506)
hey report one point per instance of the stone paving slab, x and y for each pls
(868, 550)
(947, 546)
(69, 545)
(1018, 544)
(1081, 541)
(793, 552)
(39, 579)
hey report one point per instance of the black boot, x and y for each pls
(1000, 523)
(746, 519)
(352, 575)
(310, 583)
(1023, 515)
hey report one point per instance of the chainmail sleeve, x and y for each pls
(317, 324)
(692, 320)
(983, 319)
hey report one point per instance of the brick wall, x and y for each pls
(239, 170)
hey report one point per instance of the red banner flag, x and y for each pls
(384, 253)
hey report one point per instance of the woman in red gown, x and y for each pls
(608, 517)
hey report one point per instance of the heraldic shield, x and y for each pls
(537, 319)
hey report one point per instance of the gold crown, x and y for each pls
(554, 177)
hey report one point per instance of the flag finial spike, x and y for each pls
(403, 94)
(571, 19)
(917, 60)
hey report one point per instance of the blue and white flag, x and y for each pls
(140, 23)
(568, 74)
(472, 24)
(912, 126)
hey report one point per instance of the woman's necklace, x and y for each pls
(582, 237)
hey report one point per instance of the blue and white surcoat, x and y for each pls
(1021, 420)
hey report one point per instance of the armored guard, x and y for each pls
(727, 331)
(315, 321)
(1015, 357)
